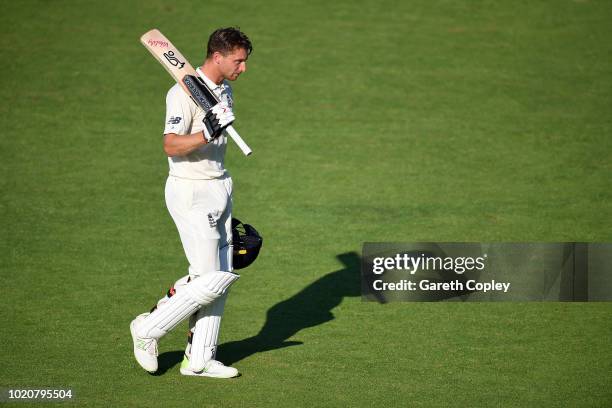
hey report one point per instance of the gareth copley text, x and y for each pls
(427, 263)
(426, 285)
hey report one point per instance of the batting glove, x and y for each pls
(217, 119)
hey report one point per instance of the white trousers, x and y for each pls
(202, 212)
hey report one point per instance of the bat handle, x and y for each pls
(241, 143)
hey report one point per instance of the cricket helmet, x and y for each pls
(247, 243)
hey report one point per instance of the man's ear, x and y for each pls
(217, 56)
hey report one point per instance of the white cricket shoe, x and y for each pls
(212, 368)
(145, 349)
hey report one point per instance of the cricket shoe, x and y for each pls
(145, 349)
(212, 368)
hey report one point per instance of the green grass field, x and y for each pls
(369, 121)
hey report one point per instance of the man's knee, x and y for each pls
(207, 288)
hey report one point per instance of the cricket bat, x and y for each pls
(183, 73)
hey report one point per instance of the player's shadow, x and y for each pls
(310, 307)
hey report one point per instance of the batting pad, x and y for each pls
(199, 292)
(178, 285)
(205, 333)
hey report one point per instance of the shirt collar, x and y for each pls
(209, 83)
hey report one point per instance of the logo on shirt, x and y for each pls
(228, 99)
(174, 120)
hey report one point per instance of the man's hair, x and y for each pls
(226, 40)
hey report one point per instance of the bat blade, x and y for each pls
(167, 54)
(179, 68)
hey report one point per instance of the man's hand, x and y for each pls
(217, 119)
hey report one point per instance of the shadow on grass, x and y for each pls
(168, 360)
(310, 307)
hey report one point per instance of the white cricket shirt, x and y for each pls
(184, 117)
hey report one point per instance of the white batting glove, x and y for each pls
(217, 119)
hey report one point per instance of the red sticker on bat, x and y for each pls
(158, 43)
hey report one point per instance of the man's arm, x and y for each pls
(216, 120)
(181, 145)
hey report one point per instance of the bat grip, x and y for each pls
(238, 140)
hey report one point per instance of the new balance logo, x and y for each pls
(174, 120)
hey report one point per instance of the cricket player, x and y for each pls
(199, 199)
